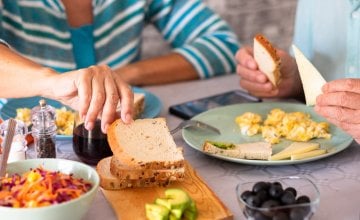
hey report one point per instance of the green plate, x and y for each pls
(223, 118)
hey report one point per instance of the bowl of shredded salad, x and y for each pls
(40, 189)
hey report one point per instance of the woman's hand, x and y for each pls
(340, 105)
(257, 83)
(94, 93)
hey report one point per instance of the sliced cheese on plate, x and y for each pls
(295, 148)
(311, 78)
(309, 154)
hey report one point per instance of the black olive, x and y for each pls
(245, 195)
(270, 204)
(275, 191)
(260, 216)
(297, 214)
(260, 186)
(303, 199)
(287, 198)
(253, 201)
(263, 195)
(280, 216)
(292, 190)
(277, 184)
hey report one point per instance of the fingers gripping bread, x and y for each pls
(144, 144)
(111, 182)
(267, 59)
(139, 105)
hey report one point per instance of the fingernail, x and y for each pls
(128, 118)
(105, 128)
(89, 125)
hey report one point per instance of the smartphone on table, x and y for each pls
(189, 109)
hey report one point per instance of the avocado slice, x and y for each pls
(177, 198)
(190, 212)
(156, 212)
(222, 145)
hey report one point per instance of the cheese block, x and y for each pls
(309, 154)
(295, 148)
(251, 151)
(311, 78)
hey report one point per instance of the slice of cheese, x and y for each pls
(295, 148)
(309, 154)
(311, 79)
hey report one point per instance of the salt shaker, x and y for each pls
(44, 130)
(18, 146)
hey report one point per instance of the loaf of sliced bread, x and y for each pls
(144, 144)
(267, 59)
(139, 105)
(122, 171)
(111, 182)
(251, 151)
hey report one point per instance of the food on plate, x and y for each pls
(311, 78)
(177, 204)
(299, 150)
(64, 119)
(144, 154)
(267, 59)
(139, 105)
(267, 199)
(39, 187)
(252, 151)
(294, 126)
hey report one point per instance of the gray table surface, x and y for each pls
(338, 176)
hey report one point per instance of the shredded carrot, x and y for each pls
(39, 187)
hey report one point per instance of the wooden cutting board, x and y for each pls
(130, 203)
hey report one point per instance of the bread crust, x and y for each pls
(124, 172)
(261, 39)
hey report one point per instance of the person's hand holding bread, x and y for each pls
(267, 72)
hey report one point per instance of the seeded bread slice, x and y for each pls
(139, 105)
(124, 172)
(144, 144)
(111, 182)
(267, 59)
(251, 151)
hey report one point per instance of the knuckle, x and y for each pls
(349, 84)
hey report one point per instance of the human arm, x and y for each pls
(256, 82)
(92, 91)
(204, 46)
(340, 105)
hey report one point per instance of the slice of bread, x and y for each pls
(144, 144)
(251, 151)
(122, 171)
(139, 105)
(111, 182)
(267, 59)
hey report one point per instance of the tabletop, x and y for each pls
(338, 176)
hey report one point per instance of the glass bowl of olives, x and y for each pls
(285, 198)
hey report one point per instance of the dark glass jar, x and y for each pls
(90, 146)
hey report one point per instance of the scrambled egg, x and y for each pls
(64, 119)
(294, 126)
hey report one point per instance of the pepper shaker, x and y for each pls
(44, 130)
(18, 146)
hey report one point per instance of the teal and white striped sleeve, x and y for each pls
(197, 33)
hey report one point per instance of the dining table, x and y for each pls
(336, 176)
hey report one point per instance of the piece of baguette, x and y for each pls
(111, 182)
(251, 151)
(139, 105)
(267, 59)
(144, 144)
(122, 171)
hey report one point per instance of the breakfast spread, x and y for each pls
(39, 187)
(267, 59)
(177, 204)
(294, 126)
(144, 155)
(269, 200)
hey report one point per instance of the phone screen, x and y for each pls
(189, 109)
